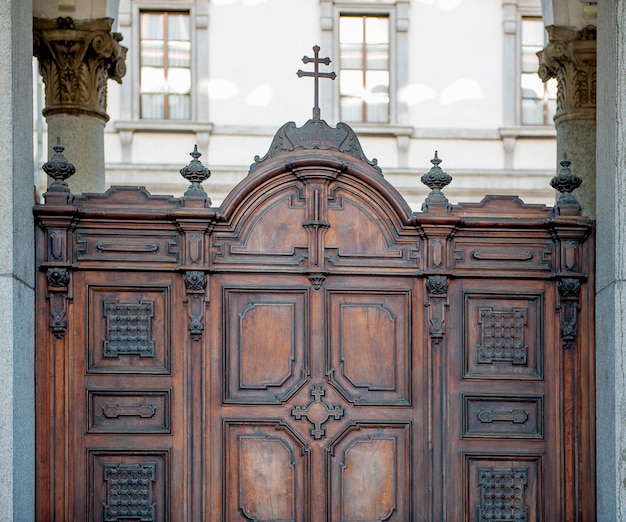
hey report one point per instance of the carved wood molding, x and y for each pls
(571, 58)
(437, 288)
(569, 292)
(195, 283)
(76, 58)
(58, 281)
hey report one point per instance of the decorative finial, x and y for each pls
(435, 179)
(316, 74)
(59, 168)
(195, 172)
(566, 182)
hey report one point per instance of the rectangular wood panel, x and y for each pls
(370, 349)
(115, 411)
(503, 336)
(129, 329)
(265, 348)
(268, 472)
(129, 485)
(370, 470)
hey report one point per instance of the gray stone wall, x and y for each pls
(17, 434)
(611, 262)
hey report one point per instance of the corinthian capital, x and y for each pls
(75, 60)
(571, 58)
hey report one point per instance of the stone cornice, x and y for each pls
(75, 60)
(571, 58)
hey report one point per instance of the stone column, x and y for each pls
(611, 264)
(17, 409)
(570, 57)
(75, 60)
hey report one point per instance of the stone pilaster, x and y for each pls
(571, 58)
(76, 58)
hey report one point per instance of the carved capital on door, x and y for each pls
(571, 58)
(76, 58)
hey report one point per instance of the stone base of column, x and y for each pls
(577, 139)
(83, 139)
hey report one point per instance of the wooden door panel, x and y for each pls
(503, 395)
(268, 474)
(370, 345)
(370, 469)
(503, 335)
(129, 485)
(312, 351)
(504, 488)
(314, 438)
(266, 349)
(129, 456)
(129, 329)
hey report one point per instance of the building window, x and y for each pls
(364, 58)
(165, 65)
(538, 98)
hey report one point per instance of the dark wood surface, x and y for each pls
(313, 350)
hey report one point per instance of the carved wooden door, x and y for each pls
(312, 350)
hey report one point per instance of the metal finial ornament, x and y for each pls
(316, 74)
(195, 172)
(59, 168)
(435, 179)
(565, 181)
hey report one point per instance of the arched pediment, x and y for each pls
(313, 202)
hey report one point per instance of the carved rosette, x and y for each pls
(76, 58)
(571, 58)
(58, 279)
(437, 288)
(569, 292)
(195, 283)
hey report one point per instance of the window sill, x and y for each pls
(162, 126)
(528, 131)
(380, 129)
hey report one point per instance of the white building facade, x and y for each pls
(413, 76)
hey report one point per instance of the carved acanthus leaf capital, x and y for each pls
(571, 58)
(76, 58)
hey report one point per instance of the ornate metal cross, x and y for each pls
(317, 75)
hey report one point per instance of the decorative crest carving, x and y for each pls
(435, 179)
(75, 60)
(437, 285)
(316, 75)
(59, 168)
(58, 277)
(315, 135)
(195, 281)
(195, 172)
(317, 280)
